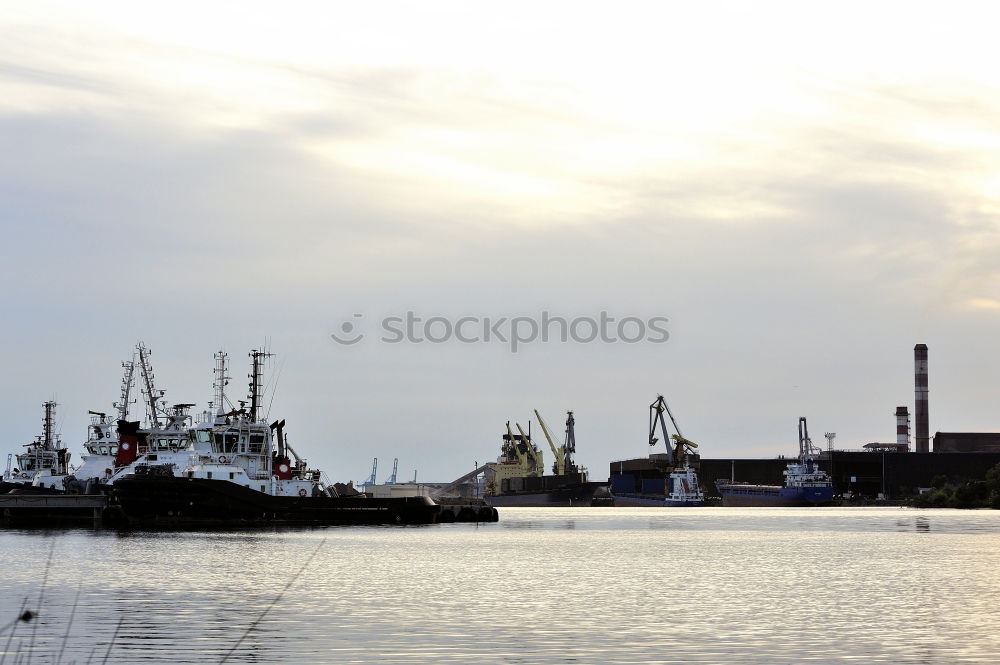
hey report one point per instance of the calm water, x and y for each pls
(586, 585)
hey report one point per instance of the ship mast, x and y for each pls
(48, 427)
(257, 382)
(221, 380)
(128, 382)
(149, 387)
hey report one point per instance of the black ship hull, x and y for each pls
(578, 495)
(171, 502)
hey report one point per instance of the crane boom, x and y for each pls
(678, 452)
(521, 457)
(533, 453)
(559, 467)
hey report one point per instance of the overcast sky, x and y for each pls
(804, 191)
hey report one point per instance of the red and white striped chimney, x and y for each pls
(903, 428)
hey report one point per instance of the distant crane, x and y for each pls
(806, 447)
(681, 447)
(371, 480)
(564, 453)
(533, 452)
(558, 467)
(392, 478)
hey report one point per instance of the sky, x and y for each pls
(803, 191)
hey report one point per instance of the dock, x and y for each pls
(52, 509)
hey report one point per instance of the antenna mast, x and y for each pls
(128, 381)
(149, 386)
(221, 379)
(48, 427)
(257, 381)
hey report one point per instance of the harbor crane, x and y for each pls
(534, 454)
(371, 480)
(563, 454)
(559, 466)
(682, 447)
(512, 446)
(806, 447)
(392, 479)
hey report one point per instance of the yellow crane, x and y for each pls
(533, 451)
(559, 468)
(521, 457)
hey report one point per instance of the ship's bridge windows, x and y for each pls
(113, 449)
(225, 443)
(256, 443)
(103, 450)
(204, 436)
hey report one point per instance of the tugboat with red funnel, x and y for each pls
(235, 469)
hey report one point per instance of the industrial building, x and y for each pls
(888, 469)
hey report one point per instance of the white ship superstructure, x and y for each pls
(45, 461)
(235, 446)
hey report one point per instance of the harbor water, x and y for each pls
(583, 585)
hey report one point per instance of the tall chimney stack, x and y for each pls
(903, 428)
(920, 390)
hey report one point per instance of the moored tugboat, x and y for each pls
(43, 466)
(235, 469)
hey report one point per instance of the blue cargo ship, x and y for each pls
(805, 483)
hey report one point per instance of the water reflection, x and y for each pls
(918, 524)
(542, 586)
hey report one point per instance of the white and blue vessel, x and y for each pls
(805, 483)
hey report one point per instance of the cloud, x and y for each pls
(801, 227)
(983, 303)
